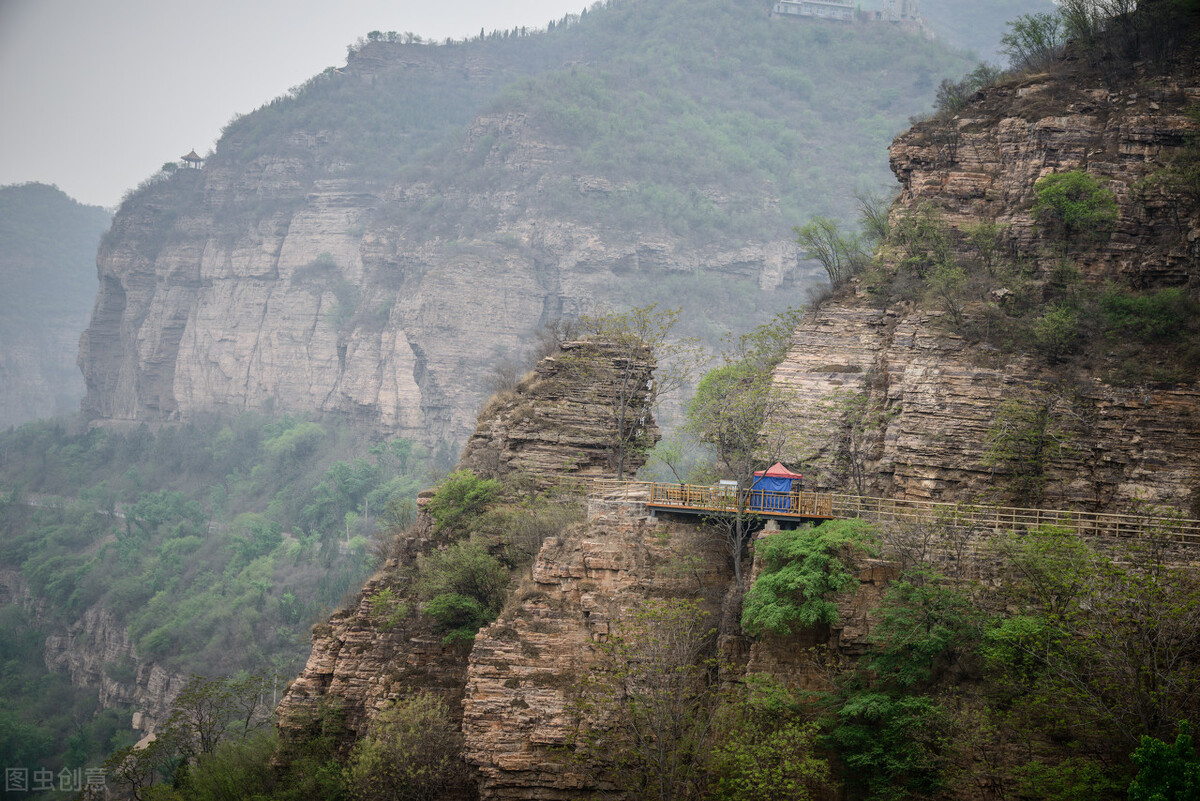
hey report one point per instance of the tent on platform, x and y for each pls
(772, 489)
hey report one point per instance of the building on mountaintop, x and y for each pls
(827, 9)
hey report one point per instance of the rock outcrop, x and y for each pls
(938, 393)
(552, 429)
(527, 668)
(558, 425)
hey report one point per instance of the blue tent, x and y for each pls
(772, 489)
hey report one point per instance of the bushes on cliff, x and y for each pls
(647, 708)
(464, 588)
(801, 569)
(767, 747)
(1074, 206)
(413, 752)
(460, 500)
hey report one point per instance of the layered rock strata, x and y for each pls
(528, 667)
(937, 394)
(94, 647)
(559, 424)
(292, 281)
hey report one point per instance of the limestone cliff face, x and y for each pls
(289, 281)
(940, 392)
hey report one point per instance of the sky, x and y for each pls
(96, 96)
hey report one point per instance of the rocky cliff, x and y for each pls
(938, 390)
(932, 392)
(372, 244)
(557, 426)
(552, 430)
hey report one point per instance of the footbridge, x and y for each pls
(709, 501)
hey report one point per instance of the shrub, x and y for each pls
(464, 587)
(1166, 771)
(412, 753)
(1056, 334)
(460, 499)
(1074, 204)
(1151, 317)
(802, 568)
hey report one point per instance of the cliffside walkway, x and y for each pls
(817, 506)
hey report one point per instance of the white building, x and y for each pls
(827, 9)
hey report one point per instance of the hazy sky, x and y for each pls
(95, 96)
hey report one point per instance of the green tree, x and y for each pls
(925, 626)
(412, 752)
(460, 500)
(464, 588)
(208, 712)
(1074, 205)
(1110, 646)
(948, 283)
(1166, 772)
(892, 746)
(802, 568)
(840, 255)
(1056, 334)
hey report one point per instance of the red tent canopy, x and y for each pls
(777, 470)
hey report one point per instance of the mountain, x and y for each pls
(47, 287)
(371, 244)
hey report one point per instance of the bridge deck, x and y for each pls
(695, 499)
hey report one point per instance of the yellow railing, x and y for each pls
(698, 498)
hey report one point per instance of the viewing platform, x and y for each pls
(696, 499)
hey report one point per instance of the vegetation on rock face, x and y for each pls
(651, 701)
(1074, 204)
(801, 570)
(412, 753)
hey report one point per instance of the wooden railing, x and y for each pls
(697, 499)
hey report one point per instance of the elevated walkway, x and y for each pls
(817, 506)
